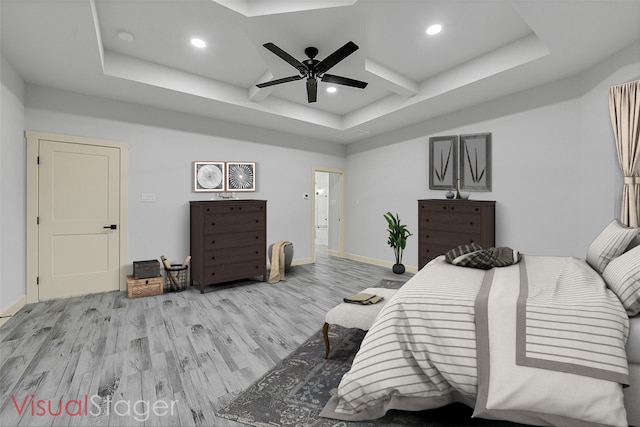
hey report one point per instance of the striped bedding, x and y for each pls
(540, 342)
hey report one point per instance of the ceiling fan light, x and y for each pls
(332, 89)
(198, 43)
(432, 30)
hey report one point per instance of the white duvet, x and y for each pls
(458, 334)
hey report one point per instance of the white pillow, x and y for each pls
(610, 243)
(623, 278)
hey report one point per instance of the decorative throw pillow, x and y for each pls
(610, 243)
(623, 278)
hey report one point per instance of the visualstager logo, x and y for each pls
(94, 405)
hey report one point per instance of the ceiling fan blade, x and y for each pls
(278, 81)
(330, 78)
(336, 57)
(312, 90)
(284, 55)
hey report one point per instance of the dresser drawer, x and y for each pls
(449, 238)
(232, 240)
(234, 223)
(230, 255)
(234, 271)
(234, 208)
(459, 206)
(428, 252)
(447, 220)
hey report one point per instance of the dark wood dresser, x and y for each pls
(228, 241)
(445, 224)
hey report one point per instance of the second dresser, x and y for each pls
(445, 224)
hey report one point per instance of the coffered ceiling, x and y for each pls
(486, 50)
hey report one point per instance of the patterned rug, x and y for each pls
(296, 390)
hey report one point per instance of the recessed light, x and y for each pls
(198, 43)
(332, 89)
(125, 36)
(434, 29)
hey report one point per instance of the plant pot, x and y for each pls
(398, 268)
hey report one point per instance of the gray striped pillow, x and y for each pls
(610, 243)
(623, 278)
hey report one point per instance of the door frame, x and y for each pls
(341, 226)
(32, 139)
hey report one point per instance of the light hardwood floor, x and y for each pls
(195, 352)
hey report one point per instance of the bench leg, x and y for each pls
(325, 334)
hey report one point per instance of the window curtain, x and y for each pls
(624, 105)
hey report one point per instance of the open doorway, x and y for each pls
(328, 202)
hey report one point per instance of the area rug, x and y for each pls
(296, 390)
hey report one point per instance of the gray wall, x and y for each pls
(555, 178)
(12, 187)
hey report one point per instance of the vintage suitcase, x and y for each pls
(146, 269)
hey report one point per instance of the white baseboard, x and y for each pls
(12, 309)
(379, 262)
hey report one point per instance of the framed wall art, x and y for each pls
(208, 176)
(475, 162)
(241, 176)
(443, 162)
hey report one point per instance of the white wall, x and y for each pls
(161, 162)
(12, 186)
(556, 182)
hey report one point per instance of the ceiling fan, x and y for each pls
(313, 69)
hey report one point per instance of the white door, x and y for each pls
(78, 217)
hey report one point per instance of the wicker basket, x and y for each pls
(176, 278)
(144, 287)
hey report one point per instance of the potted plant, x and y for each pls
(398, 235)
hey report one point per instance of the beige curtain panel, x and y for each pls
(624, 105)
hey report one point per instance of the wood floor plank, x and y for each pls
(197, 350)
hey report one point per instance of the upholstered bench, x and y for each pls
(357, 316)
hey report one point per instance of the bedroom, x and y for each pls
(560, 131)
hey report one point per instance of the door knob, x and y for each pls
(112, 226)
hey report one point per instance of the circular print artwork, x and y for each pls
(210, 177)
(240, 176)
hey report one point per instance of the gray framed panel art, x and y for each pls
(475, 162)
(241, 176)
(443, 162)
(208, 176)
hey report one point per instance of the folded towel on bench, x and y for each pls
(363, 299)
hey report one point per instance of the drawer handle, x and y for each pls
(427, 236)
(453, 208)
(257, 237)
(470, 240)
(213, 273)
(257, 221)
(239, 208)
(444, 207)
(213, 223)
(471, 223)
(213, 257)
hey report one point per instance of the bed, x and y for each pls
(545, 340)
